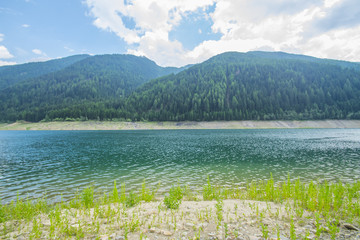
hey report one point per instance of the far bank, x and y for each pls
(109, 125)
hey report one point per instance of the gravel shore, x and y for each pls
(233, 219)
(109, 125)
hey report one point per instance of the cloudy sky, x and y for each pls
(177, 32)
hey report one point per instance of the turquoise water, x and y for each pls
(60, 162)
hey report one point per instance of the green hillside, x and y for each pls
(87, 88)
(10, 75)
(229, 86)
(254, 85)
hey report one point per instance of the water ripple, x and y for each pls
(60, 162)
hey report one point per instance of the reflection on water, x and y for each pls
(59, 162)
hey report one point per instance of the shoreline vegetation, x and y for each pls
(258, 210)
(118, 125)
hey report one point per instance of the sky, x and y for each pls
(177, 32)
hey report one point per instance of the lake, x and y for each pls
(60, 162)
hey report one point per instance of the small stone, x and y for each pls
(184, 234)
(46, 223)
(350, 226)
(167, 233)
(190, 225)
(75, 225)
(104, 237)
(308, 227)
(202, 225)
(152, 230)
(211, 234)
(243, 236)
(119, 238)
(281, 237)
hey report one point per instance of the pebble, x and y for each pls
(281, 237)
(74, 225)
(46, 223)
(119, 238)
(308, 227)
(243, 237)
(152, 230)
(167, 233)
(202, 225)
(350, 226)
(190, 225)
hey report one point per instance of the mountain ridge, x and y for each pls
(10, 75)
(230, 86)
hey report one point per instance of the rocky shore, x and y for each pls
(113, 125)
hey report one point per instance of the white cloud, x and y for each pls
(154, 19)
(1, 37)
(25, 25)
(336, 44)
(296, 26)
(6, 63)
(41, 56)
(38, 52)
(69, 49)
(4, 53)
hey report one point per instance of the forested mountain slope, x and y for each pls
(84, 88)
(10, 75)
(254, 85)
(229, 86)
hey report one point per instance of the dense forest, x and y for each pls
(10, 75)
(229, 86)
(87, 89)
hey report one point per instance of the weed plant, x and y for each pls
(173, 199)
(328, 204)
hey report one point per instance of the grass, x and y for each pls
(173, 199)
(328, 204)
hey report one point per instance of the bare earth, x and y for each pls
(108, 125)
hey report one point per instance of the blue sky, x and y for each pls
(177, 32)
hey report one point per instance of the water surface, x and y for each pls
(59, 162)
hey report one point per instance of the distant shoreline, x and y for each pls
(109, 125)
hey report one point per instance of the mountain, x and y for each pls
(283, 55)
(229, 86)
(84, 88)
(253, 85)
(10, 75)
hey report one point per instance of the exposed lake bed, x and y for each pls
(119, 125)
